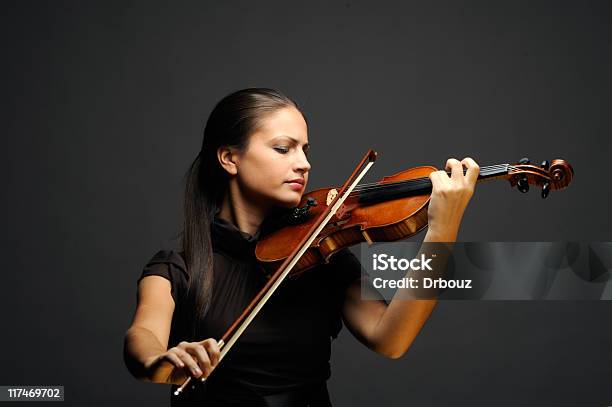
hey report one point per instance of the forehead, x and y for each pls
(287, 121)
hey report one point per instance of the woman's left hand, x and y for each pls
(450, 196)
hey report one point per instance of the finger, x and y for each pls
(191, 364)
(456, 169)
(175, 360)
(203, 359)
(214, 352)
(473, 170)
(434, 177)
(439, 179)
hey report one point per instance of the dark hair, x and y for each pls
(230, 123)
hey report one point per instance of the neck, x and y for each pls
(372, 193)
(240, 211)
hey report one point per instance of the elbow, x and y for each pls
(393, 349)
(393, 353)
(131, 362)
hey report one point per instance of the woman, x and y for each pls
(253, 163)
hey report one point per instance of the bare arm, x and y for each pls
(391, 329)
(387, 329)
(148, 335)
(146, 352)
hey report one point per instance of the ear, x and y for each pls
(228, 159)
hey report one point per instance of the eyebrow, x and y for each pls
(295, 141)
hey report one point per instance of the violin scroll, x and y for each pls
(550, 176)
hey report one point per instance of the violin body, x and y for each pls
(384, 221)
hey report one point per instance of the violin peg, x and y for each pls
(524, 160)
(523, 184)
(545, 190)
(545, 164)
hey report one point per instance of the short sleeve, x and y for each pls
(346, 268)
(170, 265)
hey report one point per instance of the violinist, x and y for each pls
(253, 163)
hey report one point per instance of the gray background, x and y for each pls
(104, 107)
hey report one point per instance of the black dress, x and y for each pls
(282, 358)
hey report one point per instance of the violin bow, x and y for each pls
(237, 328)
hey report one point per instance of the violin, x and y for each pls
(391, 209)
(330, 219)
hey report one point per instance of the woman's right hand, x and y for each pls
(195, 359)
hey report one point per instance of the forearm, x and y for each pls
(405, 315)
(140, 347)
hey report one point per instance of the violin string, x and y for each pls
(483, 171)
(425, 181)
(412, 185)
(409, 185)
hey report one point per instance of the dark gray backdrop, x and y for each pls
(103, 113)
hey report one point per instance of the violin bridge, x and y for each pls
(331, 194)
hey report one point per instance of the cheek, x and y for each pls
(264, 172)
(273, 165)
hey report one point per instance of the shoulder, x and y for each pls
(345, 267)
(169, 264)
(172, 257)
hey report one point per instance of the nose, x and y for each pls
(302, 163)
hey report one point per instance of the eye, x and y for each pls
(282, 150)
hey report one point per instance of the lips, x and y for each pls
(296, 184)
(297, 181)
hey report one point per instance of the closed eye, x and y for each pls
(282, 150)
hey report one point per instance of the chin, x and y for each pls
(291, 202)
